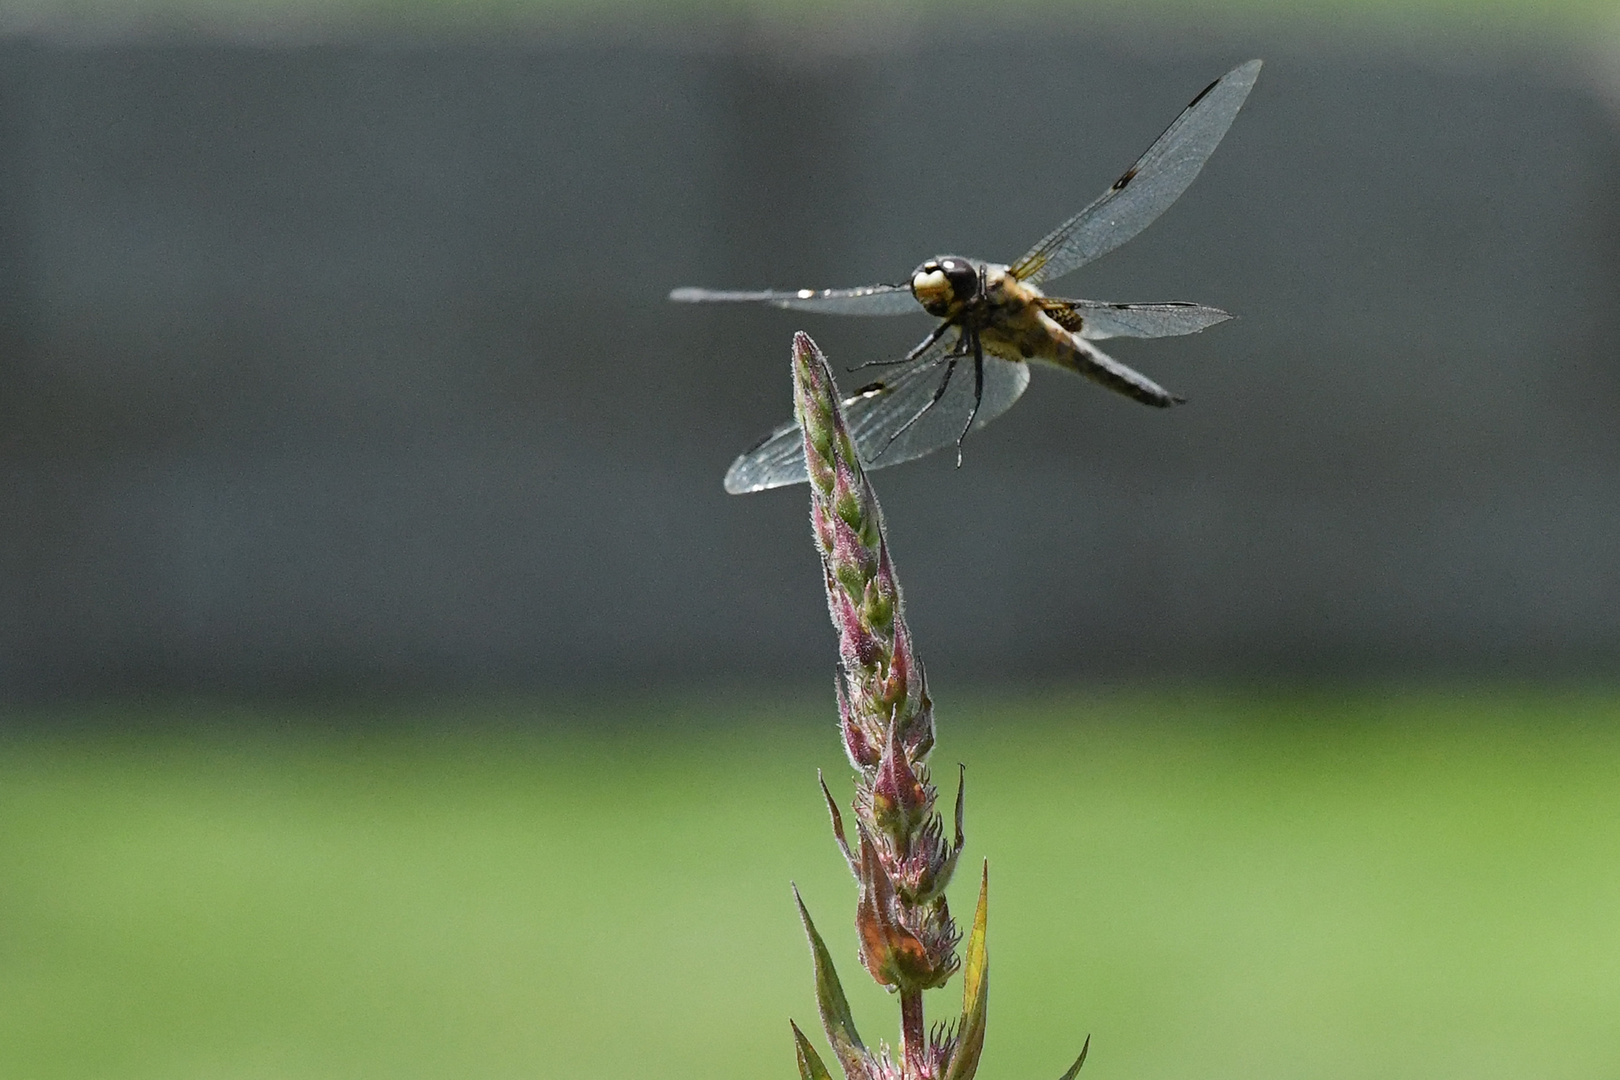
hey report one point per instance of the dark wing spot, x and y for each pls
(869, 390)
(1130, 174)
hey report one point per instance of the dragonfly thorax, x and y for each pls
(942, 285)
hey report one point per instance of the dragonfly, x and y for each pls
(995, 318)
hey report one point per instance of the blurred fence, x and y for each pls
(349, 366)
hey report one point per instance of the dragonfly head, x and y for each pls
(942, 285)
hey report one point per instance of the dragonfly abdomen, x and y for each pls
(1073, 353)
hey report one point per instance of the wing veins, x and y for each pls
(1098, 319)
(1149, 187)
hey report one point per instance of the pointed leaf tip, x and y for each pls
(810, 1066)
(961, 793)
(838, 828)
(975, 992)
(835, 1014)
(1074, 1070)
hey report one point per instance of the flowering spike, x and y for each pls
(835, 1014)
(1074, 1070)
(810, 1066)
(902, 862)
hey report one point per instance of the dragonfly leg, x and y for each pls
(944, 384)
(978, 395)
(927, 342)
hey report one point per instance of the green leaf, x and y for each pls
(810, 1066)
(975, 994)
(835, 1015)
(1074, 1070)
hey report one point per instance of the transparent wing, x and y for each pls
(775, 461)
(888, 420)
(865, 300)
(1148, 187)
(880, 410)
(1098, 319)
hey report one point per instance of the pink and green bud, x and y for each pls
(905, 957)
(900, 801)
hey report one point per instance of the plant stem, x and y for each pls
(913, 1033)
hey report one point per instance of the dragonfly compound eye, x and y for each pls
(939, 283)
(963, 277)
(932, 288)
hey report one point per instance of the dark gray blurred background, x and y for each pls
(348, 367)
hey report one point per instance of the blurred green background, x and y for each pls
(1214, 884)
(1334, 878)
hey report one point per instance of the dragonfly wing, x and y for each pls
(865, 300)
(876, 413)
(777, 460)
(1098, 319)
(1148, 187)
(893, 421)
